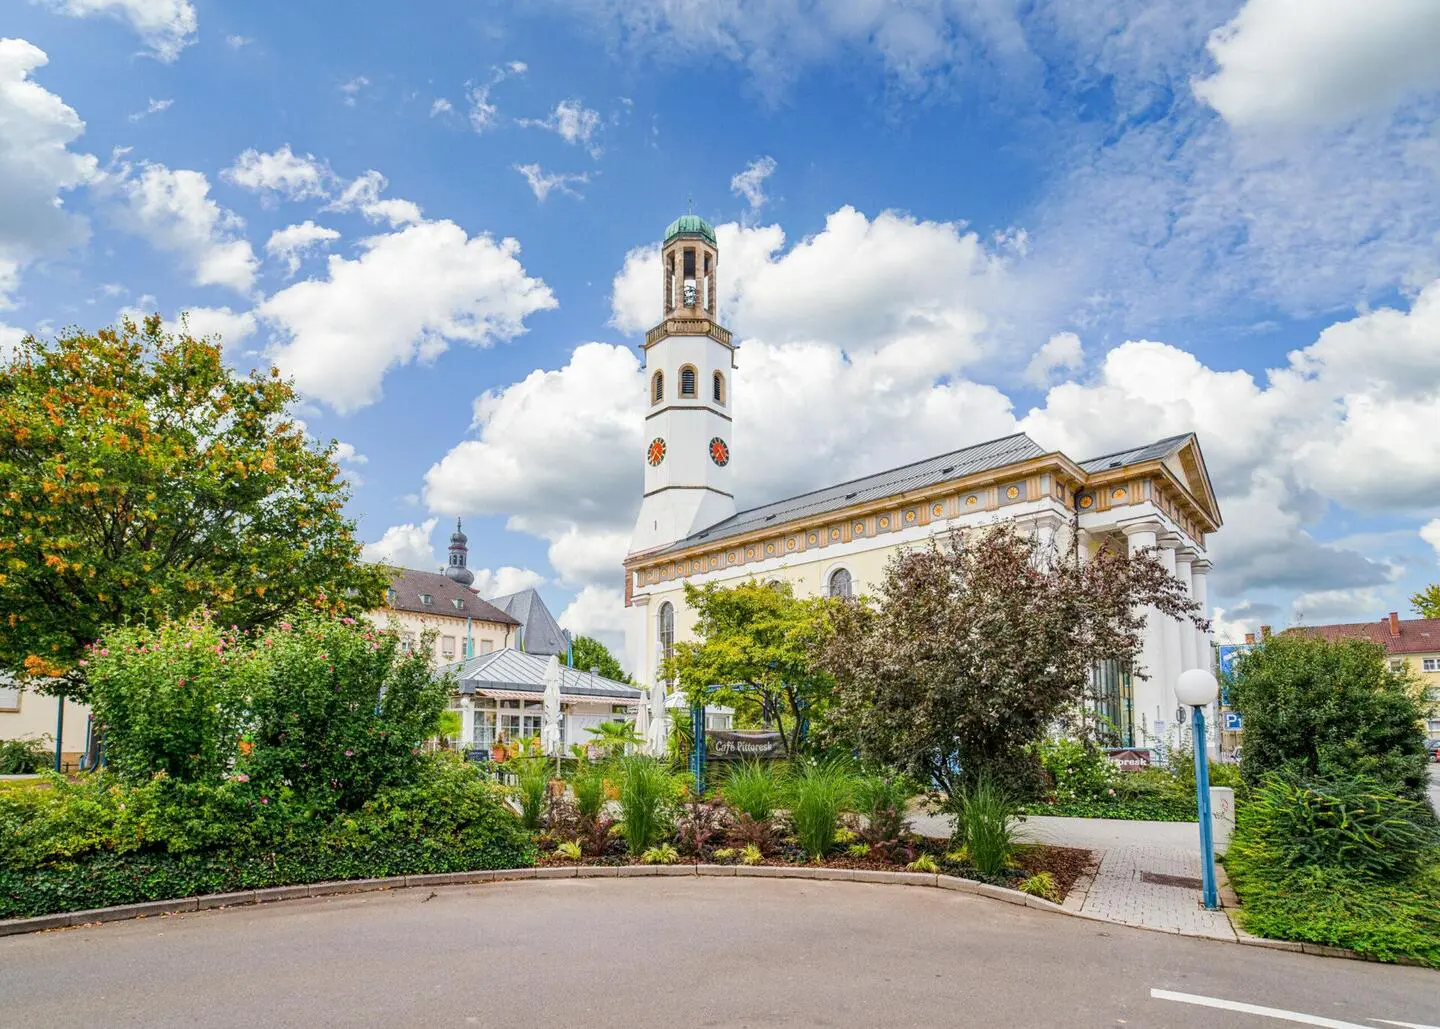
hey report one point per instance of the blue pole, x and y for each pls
(1202, 797)
(697, 756)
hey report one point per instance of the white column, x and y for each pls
(1148, 693)
(1188, 652)
(467, 722)
(1170, 630)
(1198, 568)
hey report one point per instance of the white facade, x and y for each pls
(1155, 498)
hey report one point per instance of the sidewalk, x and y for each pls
(1149, 872)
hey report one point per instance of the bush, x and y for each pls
(1343, 823)
(882, 800)
(101, 841)
(1041, 884)
(988, 827)
(819, 795)
(329, 708)
(1077, 771)
(23, 757)
(753, 788)
(1321, 708)
(589, 787)
(533, 774)
(647, 797)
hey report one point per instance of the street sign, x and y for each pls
(1229, 653)
(1234, 721)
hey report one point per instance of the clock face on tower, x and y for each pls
(656, 453)
(719, 452)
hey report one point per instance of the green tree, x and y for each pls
(976, 645)
(589, 652)
(1427, 602)
(141, 478)
(613, 737)
(1317, 707)
(757, 644)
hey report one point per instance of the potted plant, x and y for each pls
(497, 750)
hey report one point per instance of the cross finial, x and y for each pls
(690, 204)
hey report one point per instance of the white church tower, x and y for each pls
(688, 361)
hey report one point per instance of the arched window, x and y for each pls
(839, 585)
(665, 629)
(687, 381)
(657, 388)
(719, 388)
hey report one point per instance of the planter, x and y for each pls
(497, 754)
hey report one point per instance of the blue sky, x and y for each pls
(940, 220)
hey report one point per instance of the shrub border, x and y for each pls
(242, 898)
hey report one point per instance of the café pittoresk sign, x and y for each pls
(744, 746)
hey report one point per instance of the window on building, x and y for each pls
(427, 599)
(657, 388)
(687, 381)
(1397, 664)
(486, 646)
(665, 629)
(839, 584)
(390, 597)
(447, 646)
(620, 709)
(719, 384)
(483, 733)
(520, 720)
(459, 604)
(1430, 664)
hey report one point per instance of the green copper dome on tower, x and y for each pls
(691, 225)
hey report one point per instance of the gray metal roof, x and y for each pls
(1138, 455)
(514, 670)
(955, 465)
(540, 632)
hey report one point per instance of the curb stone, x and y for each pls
(216, 901)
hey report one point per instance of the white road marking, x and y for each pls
(1404, 1025)
(1255, 1009)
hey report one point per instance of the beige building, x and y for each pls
(464, 624)
(838, 540)
(28, 715)
(1412, 643)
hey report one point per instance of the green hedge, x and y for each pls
(1144, 810)
(99, 842)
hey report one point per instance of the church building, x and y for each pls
(838, 540)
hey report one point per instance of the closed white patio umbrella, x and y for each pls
(657, 734)
(642, 717)
(550, 725)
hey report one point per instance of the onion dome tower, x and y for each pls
(455, 568)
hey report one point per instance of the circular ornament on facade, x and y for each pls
(909, 516)
(937, 510)
(884, 523)
(714, 562)
(769, 548)
(656, 452)
(789, 544)
(813, 537)
(1119, 494)
(732, 556)
(1012, 492)
(719, 451)
(1087, 502)
(859, 528)
(971, 501)
(834, 534)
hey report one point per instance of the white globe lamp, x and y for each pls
(1196, 688)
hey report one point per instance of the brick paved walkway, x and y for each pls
(1130, 853)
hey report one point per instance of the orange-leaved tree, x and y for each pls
(140, 477)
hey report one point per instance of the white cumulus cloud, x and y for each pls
(543, 183)
(405, 546)
(294, 242)
(750, 183)
(1061, 352)
(1301, 62)
(281, 173)
(572, 121)
(407, 296)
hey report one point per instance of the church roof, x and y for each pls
(691, 225)
(1157, 451)
(409, 588)
(525, 673)
(956, 464)
(540, 632)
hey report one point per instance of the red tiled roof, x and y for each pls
(1417, 635)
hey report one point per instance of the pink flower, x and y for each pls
(182, 680)
(264, 800)
(104, 652)
(349, 753)
(83, 662)
(285, 626)
(242, 777)
(347, 621)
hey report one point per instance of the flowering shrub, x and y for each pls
(1077, 771)
(329, 708)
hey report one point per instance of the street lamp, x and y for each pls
(1198, 688)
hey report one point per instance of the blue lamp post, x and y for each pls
(1198, 688)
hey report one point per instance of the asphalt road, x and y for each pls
(672, 952)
